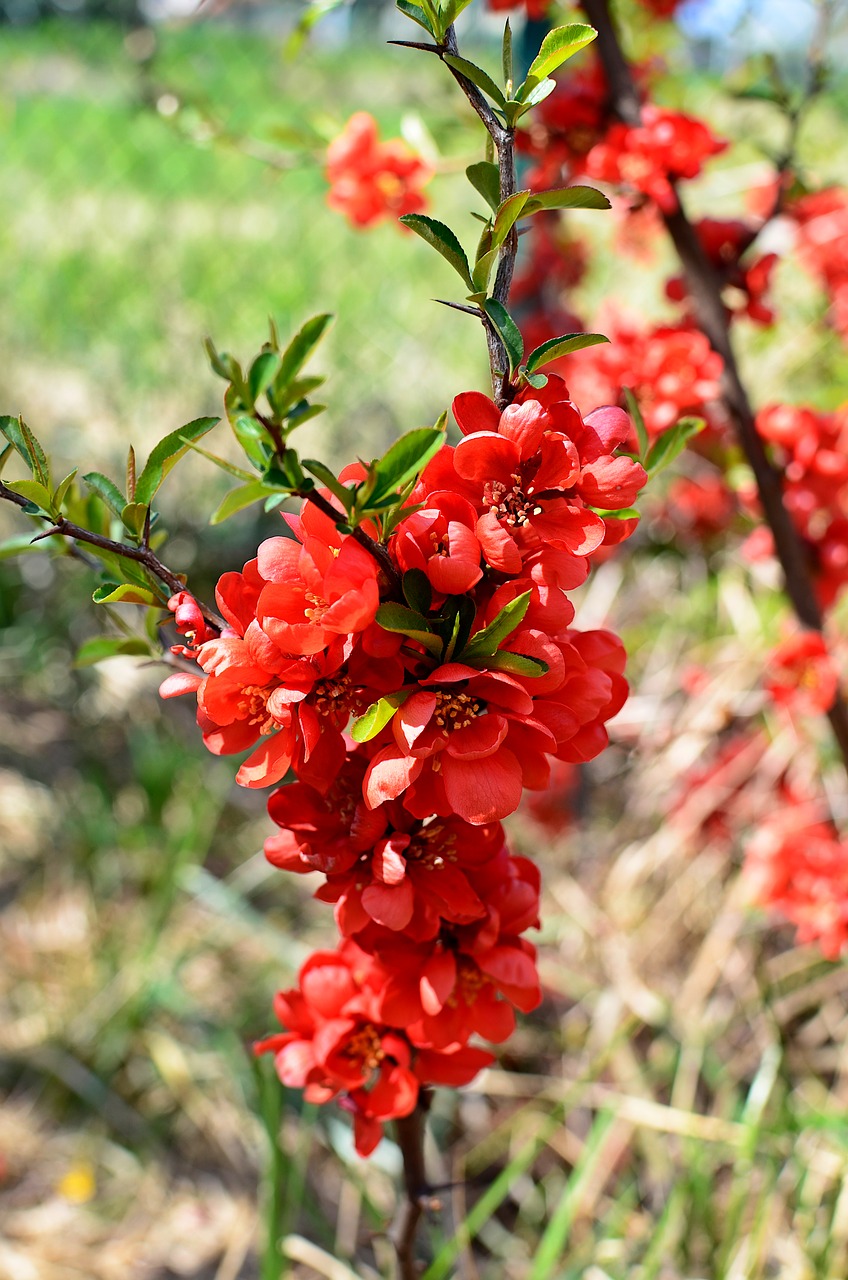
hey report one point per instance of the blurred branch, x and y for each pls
(705, 290)
(409, 1133)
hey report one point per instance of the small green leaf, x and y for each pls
(238, 472)
(237, 499)
(566, 198)
(557, 47)
(486, 642)
(671, 443)
(166, 454)
(345, 495)
(109, 647)
(537, 380)
(377, 716)
(253, 438)
(62, 489)
(442, 240)
(452, 9)
(406, 458)
(508, 330)
(124, 593)
(416, 13)
(5, 454)
(262, 372)
(407, 622)
(556, 347)
(530, 97)
(480, 275)
(417, 590)
(300, 349)
(107, 490)
(514, 664)
(223, 363)
(18, 433)
(36, 493)
(638, 421)
(477, 76)
(134, 516)
(485, 178)
(464, 612)
(506, 56)
(507, 216)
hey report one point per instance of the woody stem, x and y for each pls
(141, 555)
(409, 1132)
(711, 313)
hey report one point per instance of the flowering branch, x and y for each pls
(705, 290)
(141, 555)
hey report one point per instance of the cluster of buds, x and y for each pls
(408, 698)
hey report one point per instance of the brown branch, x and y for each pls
(704, 287)
(141, 555)
(409, 1133)
(504, 140)
(375, 549)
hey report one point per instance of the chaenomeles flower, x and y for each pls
(370, 179)
(802, 675)
(534, 471)
(336, 1043)
(796, 864)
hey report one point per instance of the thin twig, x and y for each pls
(141, 555)
(409, 1132)
(704, 287)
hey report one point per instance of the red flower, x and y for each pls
(797, 865)
(802, 675)
(370, 179)
(441, 540)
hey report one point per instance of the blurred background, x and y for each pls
(161, 178)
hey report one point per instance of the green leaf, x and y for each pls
(416, 13)
(537, 380)
(377, 716)
(262, 372)
(442, 240)
(237, 499)
(238, 472)
(566, 198)
(486, 642)
(17, 545)
(406, 458)
(407, 622)
(300, 349)
(452, 9)
(530, 98)
(556, 347)
(18, 433)
(557, 47)
(109, 647)
(671, 443)
(485, 178)
(35, 492)
(506, 55)
(480, 275)
(508, 330)
(5, 454)
(222, 363)
(464, 612)
(107, 490)
(638, 421)
(326, 476)
(166, 454)
(507, 216)
(134, 517)
(514, 664)
(477, 76)
(62, 490)
(125, 593)
(253, 438)
(417, 590)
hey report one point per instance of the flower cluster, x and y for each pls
(796, 864)
(370, 179)
(822, 221)
(812, 450)
(801, 675)
(408, 698)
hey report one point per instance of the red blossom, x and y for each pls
(802, 676)
(370, 179)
